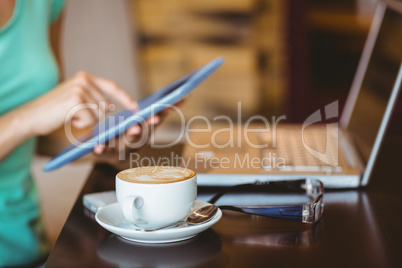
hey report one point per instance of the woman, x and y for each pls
(32, 103)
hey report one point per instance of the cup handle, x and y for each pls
(131, 206)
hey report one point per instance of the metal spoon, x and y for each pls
(196, 217)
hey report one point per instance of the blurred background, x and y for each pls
(282, 57)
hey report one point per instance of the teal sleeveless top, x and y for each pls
(28, 70)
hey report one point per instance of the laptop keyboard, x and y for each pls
(286, 151)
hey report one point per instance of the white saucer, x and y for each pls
(111, 218)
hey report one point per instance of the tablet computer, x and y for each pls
(120, 122)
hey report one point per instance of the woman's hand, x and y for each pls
(79, 101)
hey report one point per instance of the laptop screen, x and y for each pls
(377, 84)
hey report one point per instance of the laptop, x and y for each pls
(341, 155)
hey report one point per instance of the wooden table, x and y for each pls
(359, 228)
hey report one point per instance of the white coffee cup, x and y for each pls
(155, 196)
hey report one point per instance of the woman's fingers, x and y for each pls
(133, 131)
(86, 80)
(93, 90)
(153, 120)
(99, 149)
(113, 90)
(84, 113)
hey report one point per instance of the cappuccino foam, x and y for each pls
(156, 174)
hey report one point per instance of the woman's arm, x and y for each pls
(15, 129)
